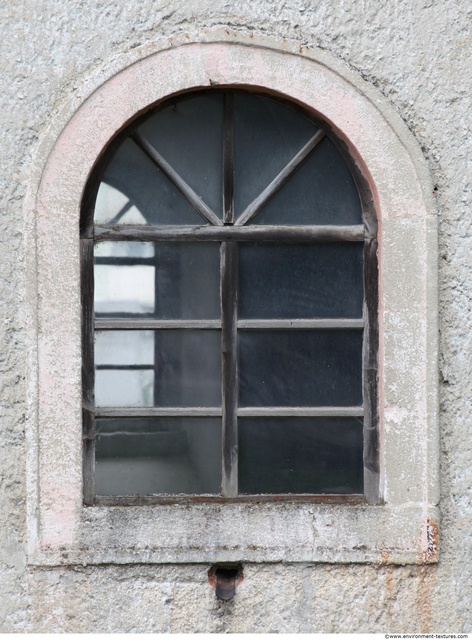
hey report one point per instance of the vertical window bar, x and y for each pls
(229, 301)
(370, 373)
(88, 374)
(228, 159)
(155, 357)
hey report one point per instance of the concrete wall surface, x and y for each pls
(416, 56)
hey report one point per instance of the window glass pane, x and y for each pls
(267, 136)
(124, 347)
(300, 281)
(169, 280)
(135, 191)
(158, 455)
(189, 135)
(124, 250)
(300, 455)
(158, 368)
(300, 368)
(321, 191)
(124, 288)
(188, 280)
(124, 387)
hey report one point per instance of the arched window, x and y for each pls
(268, 425)
(229, 288)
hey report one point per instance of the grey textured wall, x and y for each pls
(418, 55)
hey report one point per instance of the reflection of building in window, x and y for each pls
(231, 331)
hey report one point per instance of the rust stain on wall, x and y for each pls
(389, 582)
(386, 555)
(423, 598)
(430, 542)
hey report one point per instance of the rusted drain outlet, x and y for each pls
(224, 578)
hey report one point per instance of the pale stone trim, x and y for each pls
(402, 530)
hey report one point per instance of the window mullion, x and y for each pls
(155, 356)
(370, 373)
(229, 300)
(228, 159)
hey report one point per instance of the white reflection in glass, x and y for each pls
(124, 289)
(121, 388)
(161, 368)
(124, 347)
(135, 191)
(112, 204)
(124, 250)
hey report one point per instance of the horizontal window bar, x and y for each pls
(124, 260)
(150, 323)
(269, 323)
(124, 367)
(243, 412)
(349, 499)
(307, 412)
(301, 323)
(158, 412)
(124, 315)
(266, 233)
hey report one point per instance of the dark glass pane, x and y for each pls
(267, 136)
(300, 281)
(188, 280)
(168, 368)
(300, 368)
(300, 455)
(188, 133)
(321, 191)
(158, 455)
(135, 191)
(169, 280)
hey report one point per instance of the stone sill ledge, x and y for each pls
(287, 533)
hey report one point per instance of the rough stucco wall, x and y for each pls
(417, 55)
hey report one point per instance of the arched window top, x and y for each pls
(226, 157)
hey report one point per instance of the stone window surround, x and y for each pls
(404, 528)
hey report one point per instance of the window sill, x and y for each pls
(242, 532)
